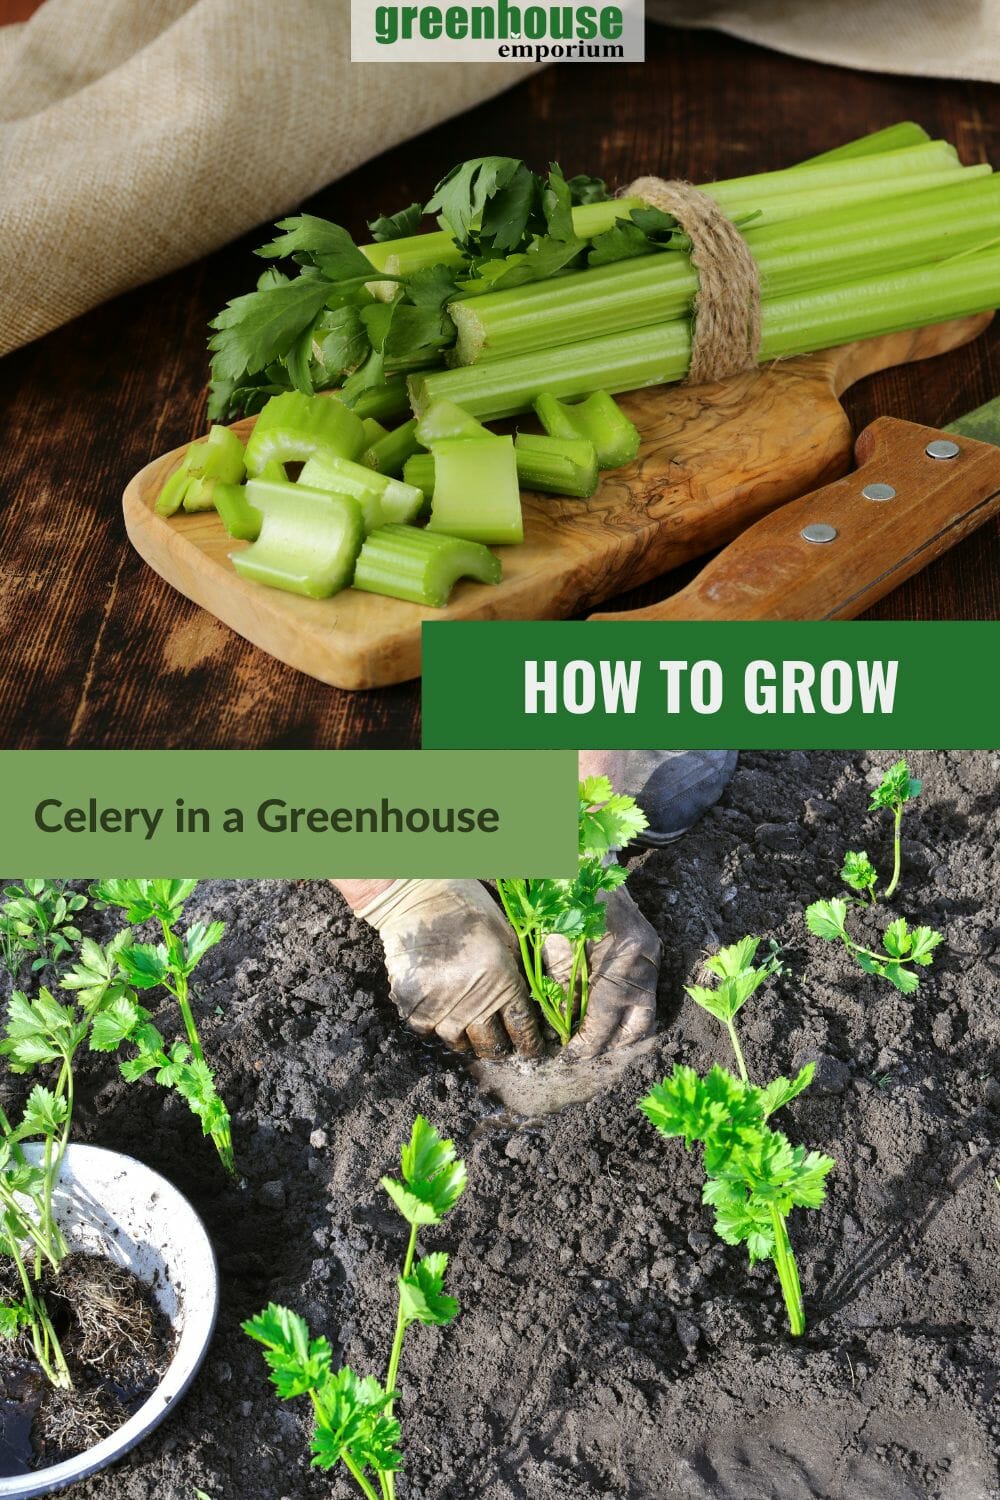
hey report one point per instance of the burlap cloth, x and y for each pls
(137, 135)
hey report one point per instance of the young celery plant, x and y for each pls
(901, 944)
(755, 1175)
(108, 977)
(38, 1032)
(354, 1422)
(896, 788)
(37, 920)
(540, 909)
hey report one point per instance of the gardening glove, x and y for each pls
(453, 966)
(624, 966)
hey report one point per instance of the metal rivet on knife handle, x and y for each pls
(879, 492)
(819, 531)
(942, 448)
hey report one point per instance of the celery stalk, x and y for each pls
(219, 456)
(292, 427)
(841, 173)
(416, 252)
(373, 431)
(419, 471)
(476, 493)
(241, 519)
(892, 138)
(930, 156)
(421, 566)
(598, 420)
(446, 420)
(556, 465)
(389, 453)
(199, 494)
(383, 401)
(308, 543)
(382, 499)
(815, 319)
(841, 245)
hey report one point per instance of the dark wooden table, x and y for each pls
(97, 652)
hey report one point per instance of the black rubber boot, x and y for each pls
(673, 787)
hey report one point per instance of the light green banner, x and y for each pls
(292, 814)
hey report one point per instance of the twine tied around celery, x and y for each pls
(725, 335)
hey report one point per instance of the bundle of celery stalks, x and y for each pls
(544, 295)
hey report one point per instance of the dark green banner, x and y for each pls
(758, 685)
(288, 814)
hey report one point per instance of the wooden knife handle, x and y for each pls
(773, 572)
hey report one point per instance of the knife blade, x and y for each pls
(834, 552)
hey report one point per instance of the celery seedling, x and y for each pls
(860, 874)
(37, 918)
(573, 909)
(354, 1422)
(38, 1032)
(896, 788)
(901, 944)
(107, 978)
(755, 1176)
(738, 980)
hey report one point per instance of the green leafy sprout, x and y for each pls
(354, 1422)
(754, 1175)
(573, 909)
(108, 978)
(896, 788)
(904, 949)
(893, 792)
(38, 920)
(902, 946)
(39, 1032)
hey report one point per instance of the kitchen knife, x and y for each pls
(832, 553)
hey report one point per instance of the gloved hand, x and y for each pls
(624, 967)
(453, 965)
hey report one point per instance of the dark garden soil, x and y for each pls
(608, 1344)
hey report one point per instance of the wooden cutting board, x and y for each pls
(714, 459)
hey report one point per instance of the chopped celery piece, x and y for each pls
(446, 420)
(241, 519)
(200, 495)
(476, 493)
(559, 466)
(598, 419)
(308, 543)
(272, 470)
(422, 567)
(419, 471)
(383, 402)
(374, 431)
(382, 499)
(293, 426)
(556, 465)
(218, 456)
(390, 453)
